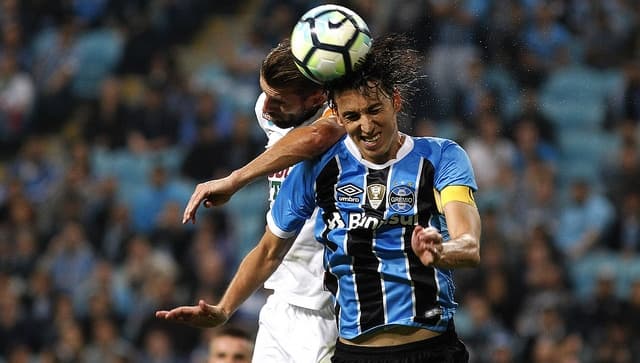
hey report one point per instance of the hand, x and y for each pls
(212, 193)
(202, 315)
(427, 244)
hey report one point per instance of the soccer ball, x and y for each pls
(329, 41)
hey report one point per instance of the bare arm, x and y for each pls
(299, 144)
(254, 270)
(461, 250)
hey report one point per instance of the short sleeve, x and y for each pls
(454, 168)
(295, 202)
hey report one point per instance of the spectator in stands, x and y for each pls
(454, 47)
(158, 347)
(70, 346)
(15, 327)
(623, 172)
(531, 147)
(632, 313)
(147, 204)
(583, 220)
(55, 63)
(17, 96)
(230, 345)
(153, 126)
(106, 125)
(106, 346)
(490, 152)
(632, 91)
(601, 304)
(485, 328)
(625, 234)
(546, 42)
(70, 257)
(12, 39)
(537, 204)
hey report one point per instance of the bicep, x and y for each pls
(462, 218)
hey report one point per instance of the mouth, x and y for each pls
(370, 142)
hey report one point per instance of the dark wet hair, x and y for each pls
(392, 65)
(280, 71)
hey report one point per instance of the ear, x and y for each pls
(338, 119)
(397, 101)
(318, 98)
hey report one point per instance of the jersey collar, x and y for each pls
(405, 148)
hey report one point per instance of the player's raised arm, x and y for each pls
(301, 143)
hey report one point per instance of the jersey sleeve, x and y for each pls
(454, 168)
(294, 203)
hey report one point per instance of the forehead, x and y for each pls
(355, 98)
(229, 344)
(275, 92)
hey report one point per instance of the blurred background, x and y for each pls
(112, 110)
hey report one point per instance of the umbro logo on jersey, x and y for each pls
(349, 193)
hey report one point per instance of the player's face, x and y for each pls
(286, 108)
(227, 349)
(371, 122)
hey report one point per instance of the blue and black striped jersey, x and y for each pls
(367, 215)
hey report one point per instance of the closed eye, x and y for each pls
(351, 116)
(375, 110)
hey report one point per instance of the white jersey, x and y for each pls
(299, 278)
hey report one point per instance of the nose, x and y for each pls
(269, 105)
(366, 124)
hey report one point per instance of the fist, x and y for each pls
(427, 244)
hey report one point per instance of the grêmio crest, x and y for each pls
(401, 198)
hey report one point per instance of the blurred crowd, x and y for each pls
(111, 112)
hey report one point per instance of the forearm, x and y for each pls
(254, 270)
(252, 273)
(463, 251)
(301, 143)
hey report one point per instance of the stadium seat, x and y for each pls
(98, 53)
(575, 97)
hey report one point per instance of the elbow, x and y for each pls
(474, 261)
(322, 137)
(316, 143)
(474, 254)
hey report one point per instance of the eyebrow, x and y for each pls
(366, 109)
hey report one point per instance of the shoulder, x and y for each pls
(434, 145)
(318, 164)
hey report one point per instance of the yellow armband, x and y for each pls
(459, 193)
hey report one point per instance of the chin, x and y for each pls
(286, 124)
